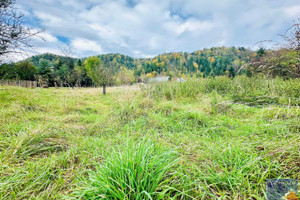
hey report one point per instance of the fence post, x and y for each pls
(19, 83)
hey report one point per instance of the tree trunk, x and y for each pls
(104, 89)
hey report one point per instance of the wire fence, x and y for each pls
(20, 83)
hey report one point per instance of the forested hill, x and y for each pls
(50, 69)
(213, 61)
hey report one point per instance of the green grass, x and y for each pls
(201, 139)
(138, 171)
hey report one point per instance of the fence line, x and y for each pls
(20, 83)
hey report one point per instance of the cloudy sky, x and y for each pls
(144, 28)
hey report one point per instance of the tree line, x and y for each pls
(63, 71)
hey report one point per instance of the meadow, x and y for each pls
(213, 138)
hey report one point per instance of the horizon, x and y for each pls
(109, 53)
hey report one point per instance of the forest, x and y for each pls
(61, 71)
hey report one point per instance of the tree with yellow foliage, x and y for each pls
(195, 65)
(124, 76)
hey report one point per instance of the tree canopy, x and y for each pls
(100, 74)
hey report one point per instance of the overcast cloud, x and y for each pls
(149, 27)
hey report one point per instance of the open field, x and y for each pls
(201, 139)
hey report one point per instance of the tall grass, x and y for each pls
(241, 89)
(230, 135)
(139, 171)
(30, 144)
(233, 167)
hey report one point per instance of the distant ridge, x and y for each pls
(216, 59)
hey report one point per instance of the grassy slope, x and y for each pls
(51, 138)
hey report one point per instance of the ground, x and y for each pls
(224, 144)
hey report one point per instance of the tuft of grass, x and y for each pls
(231, 166)
(138, 171)
(30, 144)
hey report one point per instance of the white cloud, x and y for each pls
(47, 37)
(149, 27)
(189, 25)
(87, 45)
(293, 11)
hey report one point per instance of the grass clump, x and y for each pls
(231, 167)
(138, 171)
(32, 144)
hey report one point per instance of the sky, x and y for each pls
(146, 28)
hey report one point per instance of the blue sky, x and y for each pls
(147, 28)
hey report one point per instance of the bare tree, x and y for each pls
(14, 36)
(283, 61)
(292, 36)
(66, 50)
(73, 74)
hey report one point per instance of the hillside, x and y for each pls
(212, 61)
(54, 70)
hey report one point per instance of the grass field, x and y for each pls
(201, 139)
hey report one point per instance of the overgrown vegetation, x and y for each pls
(200, 139)
(281, 62)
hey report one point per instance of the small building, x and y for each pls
(159, 79)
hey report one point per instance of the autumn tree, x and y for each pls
(100, 75)
(124, 76)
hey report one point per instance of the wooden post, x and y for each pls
(104, 89)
